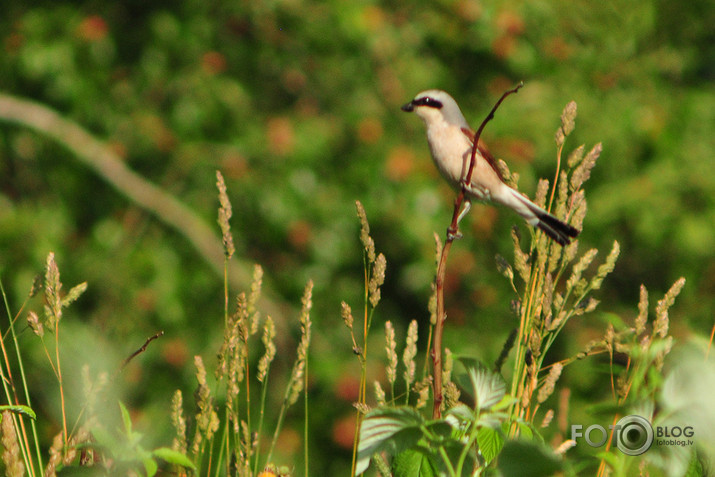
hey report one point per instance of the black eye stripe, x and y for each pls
(427, 101)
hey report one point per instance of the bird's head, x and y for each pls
(435, 105)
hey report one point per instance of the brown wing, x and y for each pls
(482, 148)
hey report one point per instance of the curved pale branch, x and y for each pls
(97, 156)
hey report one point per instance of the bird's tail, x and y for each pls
(535, 216)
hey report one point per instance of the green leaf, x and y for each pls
(470, 362)
(126, 419)
(388, 429)
(19, 409)
(173, 457)
(412, 463)
(439, 430)
(505, 402)
(489, 388)
(525, 430)
(462, 413)
(150, 466)
(490, 442)
(527, 459)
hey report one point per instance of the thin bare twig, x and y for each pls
(142, 349)
(452, 233)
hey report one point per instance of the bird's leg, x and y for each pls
(465, 210)
(454, 233)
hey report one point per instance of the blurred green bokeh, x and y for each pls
(297, 103)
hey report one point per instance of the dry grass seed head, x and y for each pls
(379, 394)
(660, 326)
(575, 281)
(542, 189)
(408, 356)
(55, 456)
(504, 268)
(224, 215)
(565, 446)
(422, 388)
(521, 259)
(568, 123)
(179, 422)
(390, 348)
(563, 195)
(547, 388)
(207, 421)
(583, 172)
(451, 395)
(347, 315)
(14, 466)
(642, 317)
(607, 267)
(377, 279)
(74, 293)
(33, 321)
(269, 334)
(547, 299)
(53, 302)
(367, 242)
(296, 380)
(253, 297)
(578, 206)
(510, 178)
(548, 417)
(575, 157)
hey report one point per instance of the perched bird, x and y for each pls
(451, 140)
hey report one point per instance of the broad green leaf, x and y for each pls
(525, 430)
(527, 459)
(441, 430)
(390, 429)
(490, 442)
(462, 413)
(412, 463)
(489, 388)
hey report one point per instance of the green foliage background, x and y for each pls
(297, 103)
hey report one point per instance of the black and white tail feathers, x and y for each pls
(535, 216)
(560, 232)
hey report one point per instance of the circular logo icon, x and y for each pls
(634, 435)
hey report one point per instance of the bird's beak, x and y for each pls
(408, 108)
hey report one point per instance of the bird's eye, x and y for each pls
(429, 102)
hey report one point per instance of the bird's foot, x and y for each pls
(453, 234)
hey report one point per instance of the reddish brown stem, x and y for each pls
(452, 233)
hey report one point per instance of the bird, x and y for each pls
(451, 141)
